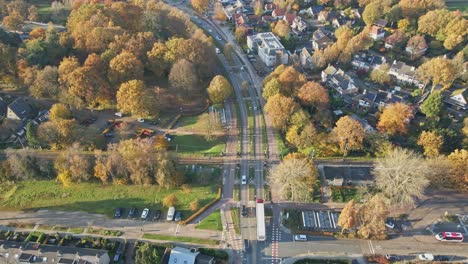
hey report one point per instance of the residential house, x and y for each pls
(365, 125)
(19, 110)
(289, 17)
(416, 46)
(336, 175)
(386, 98)
(325, 16)
(381, 23)
(339, 80)
(299, 24)
(404, 73)
(188, 256)
(366, 99)
(232, 9)
(14, 252)
(395, 39)
(278, 13)
(312, 11)
(269, 48)
(377, 33)
(458, 99)
(320, 39)
(365, 62)
(306, 59)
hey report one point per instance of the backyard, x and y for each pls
(98, 198)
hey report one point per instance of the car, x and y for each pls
(392, 257)
(178, 216)
(300, 238)
(170, 213)
(442, 258)
(246, 244)
(131, 212)
(157, 215)
(119, 114)
(141, 120)
(255, 108)
(426, 256)
(217, 51)
(244, 212)
(209, 30)
(390, 223)
(244, 179)
(145, 213)
(242, 68)
(218, 38)
(110, 134)
(118, 212)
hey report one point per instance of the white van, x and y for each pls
(300, 238)
(244, 179)
(170, 213)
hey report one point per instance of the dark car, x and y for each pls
(246, 244)
(178, 216)
(442, 258)
(392, 257)
(244, 211)
(131, 212)
(157, 215)
(118, 212)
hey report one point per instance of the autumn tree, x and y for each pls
(459, 168)
(372, 12)
(219, 90)
(14, 21)
(348, 216)
(431, 143)
(161, 143)
(395, 119)
(211, 124)
(23, 164)
(158, 64)
(380, 74)
(33, 15)
(183, 79)
(133, 97)
(282, 29)
(170, 200)
(194, 205)
(280, 109)
(414, 45)
(46, 84)
(228, 52)
(219, 12)
(241, 34)
(314, 94)
(200, 5)
(125, 67)
(72, 166)
(293, 179)
(349, 134)
(290, 80)
(272, 87)
(371, 217)
(402, 176)
(258, 7)
(414, 8)
(432, 106)
(60, 111)
(439, 70)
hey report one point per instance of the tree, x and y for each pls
(414, 45)
(272, 87)
(33, 15)
(402, 176)
(371, 217)
(14, 21)
(258, 7)
(439, 70)
(293, 179)
(183, 79)
(459, 164)
(125, 67)
(200, 5)
(241, 34)
(314, 94)
(194, 205)
(219, 12)
(228, 52)
(372, 12)
(432, 106)
(282, 29)
(161, 143)
(167, 175)
(72, 166)
(291, 80)
(211, 124)
(133, 97)
(46, 84)
(170, 200)
(59, 111)
(431, 143)
(380, 75)
(31, 135)
(348, 216)
(219, 90)
(147, 253)
(280, 109)
(349, 134)
(23, 164)
(414, 8)
(157, 62)
(395, 119)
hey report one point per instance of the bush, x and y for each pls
(193, 206)
(170, 200)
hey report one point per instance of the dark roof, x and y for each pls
(369, 97)
(66, 250)
(21, 108)
(203, 259)
(349, 173)
(3, 106)
(25, 257)
(66, 261)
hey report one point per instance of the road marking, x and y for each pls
(371, 247)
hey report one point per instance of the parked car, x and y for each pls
(218, 38)
(145, 213)
(442, 258)
(131, 212)
(390, 223)
(118, 212)
(300, 238)
(178, 216)
(392, 257)
(141, 120)
(157, 215)
(426, 256)
(244, 179)
(244, 212)
(119, 114)
(246, 244)
(170, 213)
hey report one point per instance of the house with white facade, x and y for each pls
(269, 48)
(376, 33)
(404, 73)
(339, 80)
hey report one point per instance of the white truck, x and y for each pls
(260, 210)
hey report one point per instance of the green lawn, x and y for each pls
(343, 195)
(189, 123)
(197, 145)
(461, 5)
(183, 239)
(212, 222)
(98, 198)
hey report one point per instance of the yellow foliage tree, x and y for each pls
(431, 143)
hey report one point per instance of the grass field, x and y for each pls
(235, 220)
(192, 240)
(197, 145)
(461, 5)
(97, 198)
(212, 222)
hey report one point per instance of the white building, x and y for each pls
(404, 73)
(269, 48)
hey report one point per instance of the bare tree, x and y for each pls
(402, 176)
(293, 179)
(23, 164)
(72, 166)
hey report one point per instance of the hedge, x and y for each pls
(201, 210)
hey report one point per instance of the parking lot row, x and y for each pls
(148, 215)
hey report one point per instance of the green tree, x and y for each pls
(372, 12)
(31, 135)
(219, 90)
(147, 254)
(272, 87)
(432, 106)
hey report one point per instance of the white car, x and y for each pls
(426, 256)
(217, 51)
(218, 38)
(119, 114)
(244, 179)
(141, 120)
(300, 238)
(144, 214)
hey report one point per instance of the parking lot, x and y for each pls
(320, 220)
(154, 215)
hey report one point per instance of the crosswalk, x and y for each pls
(276, 237)
(234, 240)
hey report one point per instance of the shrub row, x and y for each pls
(201, 210)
